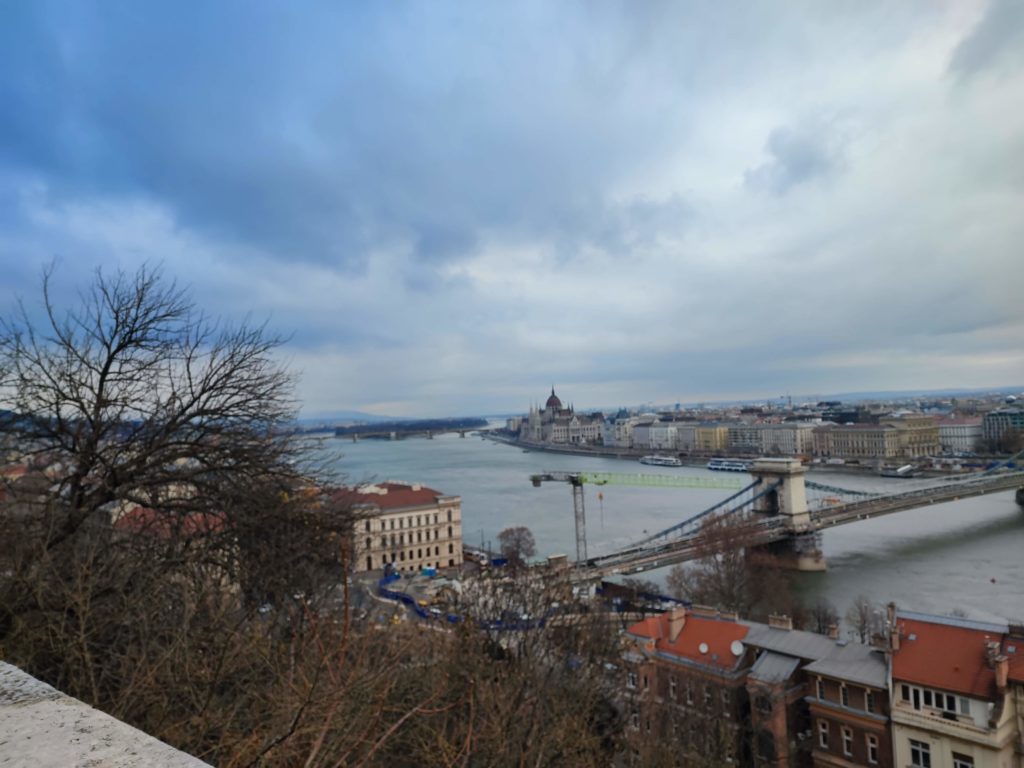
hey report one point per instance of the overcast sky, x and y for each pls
(450, 206)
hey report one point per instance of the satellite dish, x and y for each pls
(703, 647)
(736, 648)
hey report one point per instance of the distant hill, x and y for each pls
(335, 418)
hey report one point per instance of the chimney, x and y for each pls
(1002, 668)
(780, 621)
(676, 622)
(893, 628)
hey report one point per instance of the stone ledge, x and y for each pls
(40, 726)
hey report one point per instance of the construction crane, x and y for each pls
(578, 479)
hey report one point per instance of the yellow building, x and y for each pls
(410, 527)
(919, 434)
(711, 438)
(858, 441)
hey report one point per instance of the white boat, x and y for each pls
(729, 465)
(661, 461)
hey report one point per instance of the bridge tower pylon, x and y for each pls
(801, 550)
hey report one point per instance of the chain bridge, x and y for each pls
(779, 512)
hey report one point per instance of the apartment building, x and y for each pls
(858, 441)
(955, 704)
(408, 526)
(754, 694)
(960, 435)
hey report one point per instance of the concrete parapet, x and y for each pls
(40, 726)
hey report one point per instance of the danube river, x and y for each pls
(960, 556)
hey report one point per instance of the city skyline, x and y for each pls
(443, 205)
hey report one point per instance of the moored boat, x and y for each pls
(661, 461)
(729, 465)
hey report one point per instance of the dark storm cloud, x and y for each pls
(317, 134)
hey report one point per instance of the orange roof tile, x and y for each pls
(952, 658)
(718, 634)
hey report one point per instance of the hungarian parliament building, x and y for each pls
(556, 424)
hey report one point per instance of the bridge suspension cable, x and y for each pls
(578, 479)
(690, 520)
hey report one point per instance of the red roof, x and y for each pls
(162, 524)
(952, 658)
(717, 634)
(396, 495)
(1016, 657)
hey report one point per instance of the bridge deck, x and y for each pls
(637, 559)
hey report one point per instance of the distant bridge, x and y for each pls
(773, 514)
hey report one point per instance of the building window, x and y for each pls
(920, 754)
(672, 688)
(631, 679)
(905, 692)
(844, 695)
(821, 689)
(634, 720)
(707, 695)
(449, 517)
(367, 526)
(369, 544)
(847, 741)
(451, 549)
(872, 749)
(449, 531)
(647, 683)
(437, 551)
(823, 734)
(764, 705)
(689, 694)
(869, 701)
(369, 562)
(962, 761)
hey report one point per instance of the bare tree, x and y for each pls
(821, 617)
(731, 574)
(162, 501)
(864, 619)
(517, 544)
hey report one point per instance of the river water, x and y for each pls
(959, 556)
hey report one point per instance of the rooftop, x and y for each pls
(716, 636)
(391, 495)
(945, 653)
